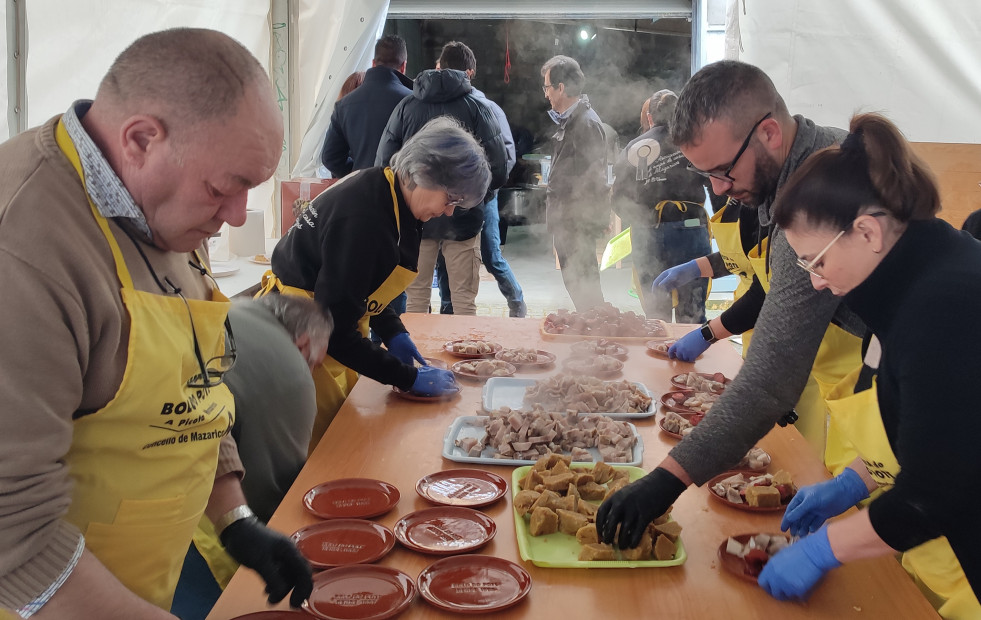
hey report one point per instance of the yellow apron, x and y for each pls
(933, 564)
(730, 244)
(143, 466)
(335, 381)
(838, 354)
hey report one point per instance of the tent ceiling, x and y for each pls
(539, 9)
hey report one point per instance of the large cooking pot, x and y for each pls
(523, 204)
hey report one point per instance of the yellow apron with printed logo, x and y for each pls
(143, 466)
(730, 244)
(335, 381)
(838, 354)
(933, 564)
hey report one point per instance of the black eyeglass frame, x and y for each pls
(225, 362)
(725, 176)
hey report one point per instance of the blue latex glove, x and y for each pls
(815, 504)
(679, 275)
(689, 346)
(402, 347)
(794, 570)
(434, 381)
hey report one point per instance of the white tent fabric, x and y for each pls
(336, 39)
(913, 60)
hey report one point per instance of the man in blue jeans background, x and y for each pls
(458, 56)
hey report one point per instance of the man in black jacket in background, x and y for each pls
(359, 118)
(577, 208)
(447, 92)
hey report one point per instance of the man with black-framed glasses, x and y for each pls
(115, 431)
(734, 128)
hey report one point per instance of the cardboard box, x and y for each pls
(295, 195)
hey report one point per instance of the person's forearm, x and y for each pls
(853, 538)
(91, 591)
(718, 329)
(704, 266)
(863, 472)
(676, 470)
(225, 495)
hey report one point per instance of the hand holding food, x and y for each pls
(794, 571)
(433, 381)
(402, 347)
(815, 504)
(624, 516)
(273, 556)
(676, 276)
(689, 346)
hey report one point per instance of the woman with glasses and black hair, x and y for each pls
(356, 248)
(862, 219)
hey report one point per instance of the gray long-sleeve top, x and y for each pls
(788, 332)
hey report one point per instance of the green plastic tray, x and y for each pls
(560, 550)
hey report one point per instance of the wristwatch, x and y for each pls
(707, 334)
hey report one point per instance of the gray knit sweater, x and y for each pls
(785, 341)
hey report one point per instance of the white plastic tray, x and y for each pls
(472, 426)
(510, 392)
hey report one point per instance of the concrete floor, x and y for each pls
(528, 250)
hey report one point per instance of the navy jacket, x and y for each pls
(359, 118)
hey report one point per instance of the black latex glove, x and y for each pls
(634, 506)
(273, 556)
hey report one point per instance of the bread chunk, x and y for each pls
(587, 534)
(546, 500)
(602, 473)
(570, 522)
(671, 529)
(762, 496)
(559, 482)
(664, 549)
(594, 552)
(543, 521)
(524, 500)
(592, 491)
(587, 508)
(641, 552)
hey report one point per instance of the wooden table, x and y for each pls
(379, 435)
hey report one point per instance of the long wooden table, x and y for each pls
(379, 435)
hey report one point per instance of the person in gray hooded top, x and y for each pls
(726, 103)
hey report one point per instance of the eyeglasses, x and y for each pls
(724, 176)
(212, 371)
(454, 201)
(546, 87)
(809, 266)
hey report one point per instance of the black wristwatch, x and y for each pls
(708, 335)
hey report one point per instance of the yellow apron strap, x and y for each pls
(68, 147)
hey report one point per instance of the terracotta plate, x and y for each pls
(351, 498)
(274, 614)
(659, 348)
(472, 584)
(678, 380)
(586, 366)
(744, 506)
(435, 362)
(445, 530)
(457, 369)
(339, 542)
(495, 348)
(660, 423)
(426, 399)
(462, 487)
(674, 407)
(736, 565)
(543, 359)
(361, 592)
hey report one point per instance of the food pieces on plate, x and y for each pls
(485, 368)
(519, 356)
(762, 491)
(679, 424)
(696, 402)
(701, 382)
(471, 445)
(589, 348)
(564, 392)
(756, 551)
(573, 511)
(756, 459)
(543, 521)
(471, 347)
(660, 347)
(604, 320)
(527, 435)
(600, 364)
